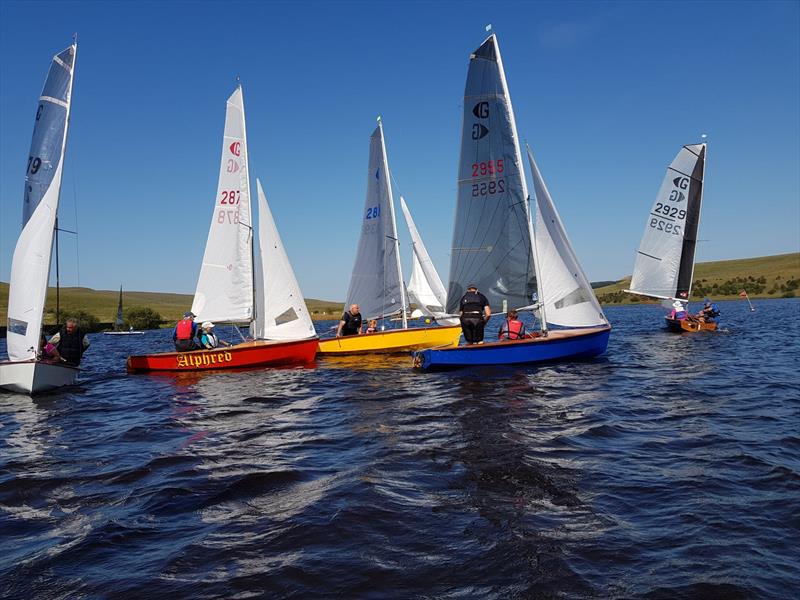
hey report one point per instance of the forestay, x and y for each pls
(491, 237)
(376, 283)
(225, 285)
(425, 288)
(281, 312)
(30, 267)
(566, 292)
(665, 260)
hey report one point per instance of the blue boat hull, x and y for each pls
(559, 345)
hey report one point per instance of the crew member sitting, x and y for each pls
(184, 333)
(709, 312)
(678, 312)
(512, 328)
(208, 339)
(372, 326)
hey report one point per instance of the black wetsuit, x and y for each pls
(70, 346)
(352, 323)
(472, 306)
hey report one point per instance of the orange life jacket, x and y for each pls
(183, 330)
(515, 328)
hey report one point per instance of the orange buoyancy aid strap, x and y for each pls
(183, 330)
(514, 329)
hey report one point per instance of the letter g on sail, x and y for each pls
(481, 110)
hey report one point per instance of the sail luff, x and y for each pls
(251, 236)
(693, 206)
(30, 265)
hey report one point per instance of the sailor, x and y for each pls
(372, 326)
(70, 342)
(709, 312)
(512, 328)
(678, 312)
(208, 339)
(350, 324)
(184, 333)
(475, 313)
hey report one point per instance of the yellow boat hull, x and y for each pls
(393, 340)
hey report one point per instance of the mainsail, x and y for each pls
(425, 288)
(225, 285)
(665, 260)
(281, 312)
(491, 238)
(376, 284)
(30, 267)
(566, 292)
(119, 321)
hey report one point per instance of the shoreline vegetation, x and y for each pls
(763, 277)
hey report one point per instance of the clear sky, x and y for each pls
(605, 92)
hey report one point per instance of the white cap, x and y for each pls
(207, 325)
(676, 304)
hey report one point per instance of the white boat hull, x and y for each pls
(34, 377)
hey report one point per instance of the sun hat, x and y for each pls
(677, 304)
(207, 325)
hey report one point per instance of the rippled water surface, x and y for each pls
(668, 468)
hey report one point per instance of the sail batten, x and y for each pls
(30, 266)
(225, 291)
(665, 259)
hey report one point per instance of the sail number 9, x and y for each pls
(487, 188)
(669, 211)
(488, 167)
(34, 164)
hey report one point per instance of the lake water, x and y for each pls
(669, 468)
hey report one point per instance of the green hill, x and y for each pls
(103, 303)
(762, 277)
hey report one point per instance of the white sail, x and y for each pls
(30, 267)
(376, 283)
(119, 321)
(566, 292)
(425, 288)
(225, 286)
(665, 260)
(281, 312)
(492, 245)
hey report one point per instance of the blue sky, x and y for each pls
(605, 93)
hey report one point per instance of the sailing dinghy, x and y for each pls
(235, 288)
(496, 246)
(377, 284)
(664, 265)
(26, 371)
(119, 322)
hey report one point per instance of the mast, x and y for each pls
(250, 225)
(704, 144)
(394, 237)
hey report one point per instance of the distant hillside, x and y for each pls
(103, 303)
(763, 277)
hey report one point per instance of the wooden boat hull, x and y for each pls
(391, 341)
(688, 325)
(35, 376)
(558, 345)
(258, 353)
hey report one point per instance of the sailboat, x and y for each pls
(119, 321)
(376, 284)
(26, 371)
(239, 286)
(664, 265)
(496, 246)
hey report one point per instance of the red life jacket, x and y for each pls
(515, 328)
(183, 330)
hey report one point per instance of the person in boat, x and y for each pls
(185, 333)
(709, 312)
(512, 328)
(372, 326)
(70, 342)
(48, 351)
(208, 339)
(678, 312)
(350, 323)
(474, 313)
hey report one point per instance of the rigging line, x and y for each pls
(75, 206)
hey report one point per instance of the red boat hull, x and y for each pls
(259, 353)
